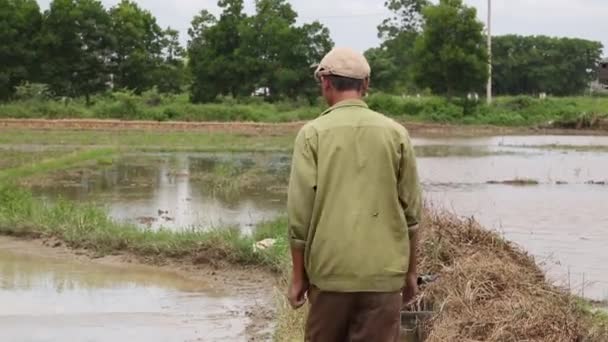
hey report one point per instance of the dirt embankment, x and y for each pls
(253, 128)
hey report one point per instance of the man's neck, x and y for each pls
(344, 96)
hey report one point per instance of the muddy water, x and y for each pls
(181, 190)
(48, 299)
(562, 220)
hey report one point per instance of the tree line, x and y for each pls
(79, 48)
(442, 47)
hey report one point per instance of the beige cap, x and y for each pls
(344, 62)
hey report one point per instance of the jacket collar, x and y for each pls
(345, 103)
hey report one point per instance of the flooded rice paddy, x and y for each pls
(560, 216)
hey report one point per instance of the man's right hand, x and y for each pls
(410, 290)
(297, 292)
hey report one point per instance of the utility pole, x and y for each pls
(489, 87)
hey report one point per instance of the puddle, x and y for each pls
(46, 299)
(182, 190)
(561, 220)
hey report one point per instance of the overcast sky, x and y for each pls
(353, 22)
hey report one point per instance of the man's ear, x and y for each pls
(365, 87)
(326, 83)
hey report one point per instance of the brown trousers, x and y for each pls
(353, 317)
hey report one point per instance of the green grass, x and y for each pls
(152, 106)
(82, 226)
(151, 141)
(11, 158)
(55, 164)
(506, 110)
(599, 317)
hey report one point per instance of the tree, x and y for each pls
(534, 64)
(200, 56)
(317, 43)
(385, 75)
(139, 46)
(451, 56)
(407, 17)
(20, 22)
(77, 44)
(217, 64)
(271, 46)
(237, 54)
(280, 52)
(392, 62)
(169, 76)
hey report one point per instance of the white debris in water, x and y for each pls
(264, 244)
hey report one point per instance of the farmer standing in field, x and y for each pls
(354, 205)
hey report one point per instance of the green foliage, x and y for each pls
(171, 75)
(138, 46)
(32, 91)
(535, 64)
(20, 22)
(423, 108)
(152, 105)
(393, 61)
(76, 42)
(455, 63)
(392, 64)
(236, 55)
(407, 17)
(287, 51)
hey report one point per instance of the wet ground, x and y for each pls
(562, 219)
(48, 298)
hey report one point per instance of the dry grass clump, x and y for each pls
(490, 290)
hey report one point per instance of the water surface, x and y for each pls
(563, 220)
(47, 299)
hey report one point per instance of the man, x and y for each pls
(354, 207)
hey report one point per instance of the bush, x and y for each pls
(33, 91)
(511, 111)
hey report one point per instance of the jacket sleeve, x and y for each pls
(410, 193)
(302, 189)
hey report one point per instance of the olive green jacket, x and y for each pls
(353, 193)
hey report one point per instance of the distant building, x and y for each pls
(603, 74)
